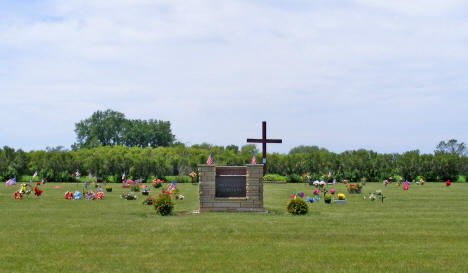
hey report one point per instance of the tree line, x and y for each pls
(109, 162)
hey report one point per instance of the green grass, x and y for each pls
(422, 230)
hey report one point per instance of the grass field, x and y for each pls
(422, 230)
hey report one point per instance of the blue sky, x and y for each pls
(383, 75)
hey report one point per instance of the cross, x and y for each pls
(264, 141)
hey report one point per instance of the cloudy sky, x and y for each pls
(390, 76)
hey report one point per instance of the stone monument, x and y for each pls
(231, 188)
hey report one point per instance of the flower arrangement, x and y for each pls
(377, 194)
(306, 178)
(332, 191)
(341, 196)
(316, 183)
(17, 195)
(354, 188)
(128, 196)
(126, 184)
(90, 195)
(345, 181)
(327, 198)
(25, 189)
(316, 192)
(99, 195)
(157, 183)
(68, 195)
(297, 206)
(145, 191)
(108, 188)
(37, 192)
(77, 195)
(148, 201)
(448, 183)
(135, 188)
(163, 203)
(193, 176)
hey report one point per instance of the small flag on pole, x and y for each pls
(210, 159)
(253, 161)
(329, 173)
(172, 186)
(35, 174)
(95, 178)
(123, 176)
(42, 181)
(10, 182)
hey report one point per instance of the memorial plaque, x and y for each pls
(230, 186)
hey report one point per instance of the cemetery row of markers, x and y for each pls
(164, 201)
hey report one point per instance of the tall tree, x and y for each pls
(109, 128)
(452, 147)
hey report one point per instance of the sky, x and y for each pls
(388, 76)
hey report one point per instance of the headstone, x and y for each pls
(231, 188)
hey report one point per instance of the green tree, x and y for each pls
(452, 147)
(110, 128)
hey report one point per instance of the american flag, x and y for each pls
(172, 186)
(95, 178)
(253, 161)
(210, 159)
(10, 182)
(42, 181)
(329, 173)
(89, 176)
(123, 176)
(35, 174)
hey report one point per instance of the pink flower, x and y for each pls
(332, 191)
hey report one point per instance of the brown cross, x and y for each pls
(264, 141)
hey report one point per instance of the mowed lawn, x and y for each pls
(422, 230)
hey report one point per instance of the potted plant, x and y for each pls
(108, 188)
(157, 183)
(128, 196)
(341, 199)
(327, 198)
(145, 191)
(354, 188)
(193, 176)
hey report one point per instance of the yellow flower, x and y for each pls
(341, 196)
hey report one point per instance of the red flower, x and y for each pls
(18, 195)
(37, 192)
(38, 183)
(448, 183)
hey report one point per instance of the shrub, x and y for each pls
(297, 206)
(294, 178)
(461, 179)
(274, 177)
(163, 204)
(178, 179)
(110, 179)
(150, 179)
(25, 178)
